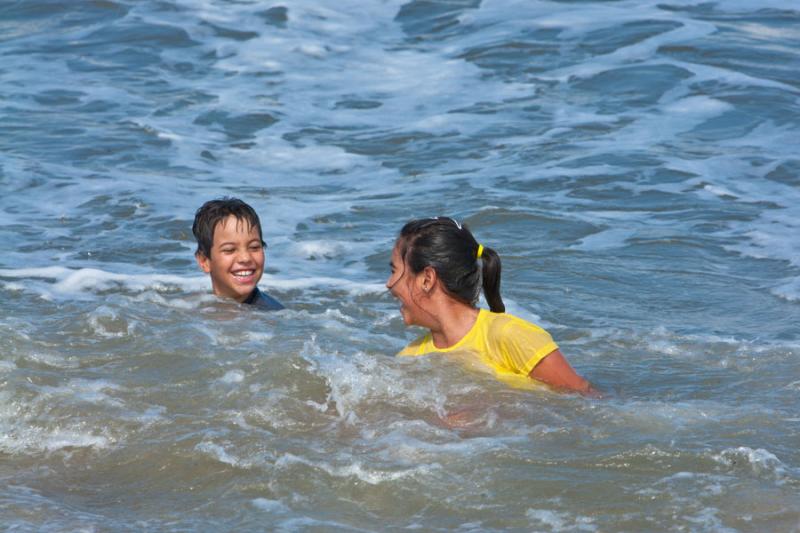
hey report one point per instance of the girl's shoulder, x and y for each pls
(503, 325)
(417, 347)
(504, 319)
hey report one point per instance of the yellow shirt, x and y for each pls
(504, 343)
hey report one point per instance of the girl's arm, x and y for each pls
(555, 371)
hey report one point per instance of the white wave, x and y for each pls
(353, 287)
(676, 117)
(66, 281)
(740, 6)
(107, 322)
(605, 240)
(722, 192)
(260, 336)
(272, 506)
(78, 413)
(354, 469)
(669, 418)
(771, 236)
(71, 281)
(319, 249)
(559, 521)
(768, 33)
(59, 440)
(183, 303)
(232, 376)
(14, 287)
(329, 318)
(520, 310)
(220, 454)
(358, 380)
(21, 436)
(709, 520)
(85, 390)
(639, 52)
(55, 360)
(760, 462)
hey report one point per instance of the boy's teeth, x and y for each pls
(243, 273)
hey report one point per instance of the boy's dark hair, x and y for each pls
(213, 212)
(451, 250)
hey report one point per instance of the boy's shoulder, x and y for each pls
(263, 301)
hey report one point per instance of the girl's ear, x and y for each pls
(428, 279)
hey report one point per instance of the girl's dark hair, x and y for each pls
(451, 250)
(213, 212)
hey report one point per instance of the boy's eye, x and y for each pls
(227, 250)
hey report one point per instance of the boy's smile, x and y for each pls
(237, 259)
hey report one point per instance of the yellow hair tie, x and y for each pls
(480, 252)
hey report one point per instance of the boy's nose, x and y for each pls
(244, 256)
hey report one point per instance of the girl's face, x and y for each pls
(403, 285)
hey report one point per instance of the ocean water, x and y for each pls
(635, 163)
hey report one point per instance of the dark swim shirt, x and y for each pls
(263, 301)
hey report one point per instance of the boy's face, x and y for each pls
(237, 259)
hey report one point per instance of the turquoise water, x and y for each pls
(635, 163)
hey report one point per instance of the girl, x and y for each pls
(438, 269)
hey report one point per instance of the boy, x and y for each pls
(230, 248)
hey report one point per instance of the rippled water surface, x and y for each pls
(634, 162)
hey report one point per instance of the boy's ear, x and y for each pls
(203, 262)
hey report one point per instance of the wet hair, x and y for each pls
(451, 250)
(213, 212)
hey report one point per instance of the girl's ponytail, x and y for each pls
(491, 279)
